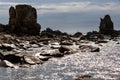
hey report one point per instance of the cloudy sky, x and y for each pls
(68, 15)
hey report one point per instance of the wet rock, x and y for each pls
(92, 36)
(106, 25)
(2, 28)
(24, 66)
(78, 34)
(14, 58)
(44, 58)
(23, 20)
(88, 48)
(33, 42)
(95, 49)
(52, 53)
(64, 49)
(35, 46)
(45, 42)
(84, 77)
(1, 55)
(7, 47)
(6, 63)
(56, 53)
(52, 34)
(55, 45)
(32, 60)
(24, 45)
(118, 43)
(45, 54)
(66, 43)
(101, 41)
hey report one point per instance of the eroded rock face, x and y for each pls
(23, 20)
(106, 25)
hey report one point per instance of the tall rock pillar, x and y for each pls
(23, 20)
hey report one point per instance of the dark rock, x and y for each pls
(45, 42)
(64, 49)
(1, 56)
(68, 43)
(2, 28)
(78, 34)
(58, 55)
(46, 54)
(33, 42)
(92, 36)
(95, 49)
(106, 25)
(7, 47)
(14, 58)
(101, 41)
(117, 43)
(84, 77)
(51, 34)
(23, 20)
(6, 63)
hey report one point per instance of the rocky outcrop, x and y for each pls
(2, 28)
(52, 34)
(106, 25)
(23, 20)
(77, 34)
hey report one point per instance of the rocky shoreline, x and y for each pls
(22, 45)
(24, 51)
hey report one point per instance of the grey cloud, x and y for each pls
(69, 15)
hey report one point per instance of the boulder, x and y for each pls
(56, 53)
(68, 43)
(32, 60)
(86, 77)
(95, 49)
(1, 55)
(23, 20)
(14, 58)
(7, 47)
(6, 63)
(52, 53)
(64, 49)
(2, 28)
(88, 48)
(106, 25)
(52, 33)
(44, 58)
(77, 34)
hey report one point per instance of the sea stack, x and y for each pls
(23, 20)
(106, 25)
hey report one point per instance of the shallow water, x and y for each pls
(104, 64)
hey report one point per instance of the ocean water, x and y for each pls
(103, 65)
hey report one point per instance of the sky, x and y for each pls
(68, 15)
